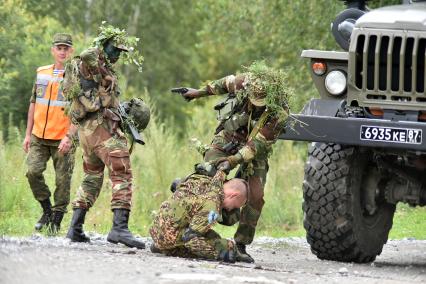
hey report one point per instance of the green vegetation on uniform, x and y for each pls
(270, 85)
(121, 38)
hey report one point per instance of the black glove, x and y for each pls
(175, 184)
(224, 166)
(232, 160)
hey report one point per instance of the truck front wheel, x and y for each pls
(340, 224)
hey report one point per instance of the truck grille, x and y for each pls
(390, 67)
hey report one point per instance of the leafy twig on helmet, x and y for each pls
(120, 37)
(269, 84)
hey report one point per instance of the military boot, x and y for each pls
(242, 254)
(154, 249)
(75, 232)
(45, 218)
(120, 230)
(55, 222)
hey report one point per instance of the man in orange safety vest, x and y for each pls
(49, 135)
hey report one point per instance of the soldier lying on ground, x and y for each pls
(251, 116)
(183, 225)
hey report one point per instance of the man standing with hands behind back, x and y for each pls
(49, 134)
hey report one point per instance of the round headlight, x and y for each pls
(335, 82)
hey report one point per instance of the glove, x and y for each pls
(224, 166)
(233, 161)
(206, 169)
(175, 184)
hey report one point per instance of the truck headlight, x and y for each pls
(335, 82)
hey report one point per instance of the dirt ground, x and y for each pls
(39, 259)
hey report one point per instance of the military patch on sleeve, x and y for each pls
(212, 216)
(39, 91)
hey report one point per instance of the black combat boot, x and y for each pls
(45, 218)
(242, 254)
(120, 230)
(75, 232)
(154, 249)
(55, 222)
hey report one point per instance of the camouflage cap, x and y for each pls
(266, 86)
(62, 39)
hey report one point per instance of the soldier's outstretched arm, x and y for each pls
(226, 85)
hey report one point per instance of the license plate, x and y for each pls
(391, 134)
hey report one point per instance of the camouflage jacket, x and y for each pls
(239, 126)
(194, 205)
(90, 84)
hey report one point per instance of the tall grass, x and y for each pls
(166, 156)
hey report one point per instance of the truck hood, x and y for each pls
(401, 17)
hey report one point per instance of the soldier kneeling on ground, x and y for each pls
(252, 115)
(183, 225)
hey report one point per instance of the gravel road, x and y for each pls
(38, 259)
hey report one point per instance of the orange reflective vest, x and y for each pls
(50, 121)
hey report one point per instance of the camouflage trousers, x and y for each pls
(255, 174)
(102, 149)
(41, 150)
(168, 239)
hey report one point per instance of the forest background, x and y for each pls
(185, 43)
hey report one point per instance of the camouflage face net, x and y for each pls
(269, 86)
(120, 37)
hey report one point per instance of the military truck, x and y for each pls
(367, 152)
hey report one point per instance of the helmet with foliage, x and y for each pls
(266, 86)
(120, 40)
(138, 112)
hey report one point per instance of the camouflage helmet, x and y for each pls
(122, 41)
(265, 86)
(108, 33)
(257, 99)
(139, 113)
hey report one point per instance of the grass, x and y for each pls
(165, 157)
(409, 222)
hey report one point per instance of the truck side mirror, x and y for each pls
(343, 25)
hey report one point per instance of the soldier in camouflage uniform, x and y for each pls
(251, 117)
(91, 85)
(183, 225)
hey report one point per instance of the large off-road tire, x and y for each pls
(338, 226)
